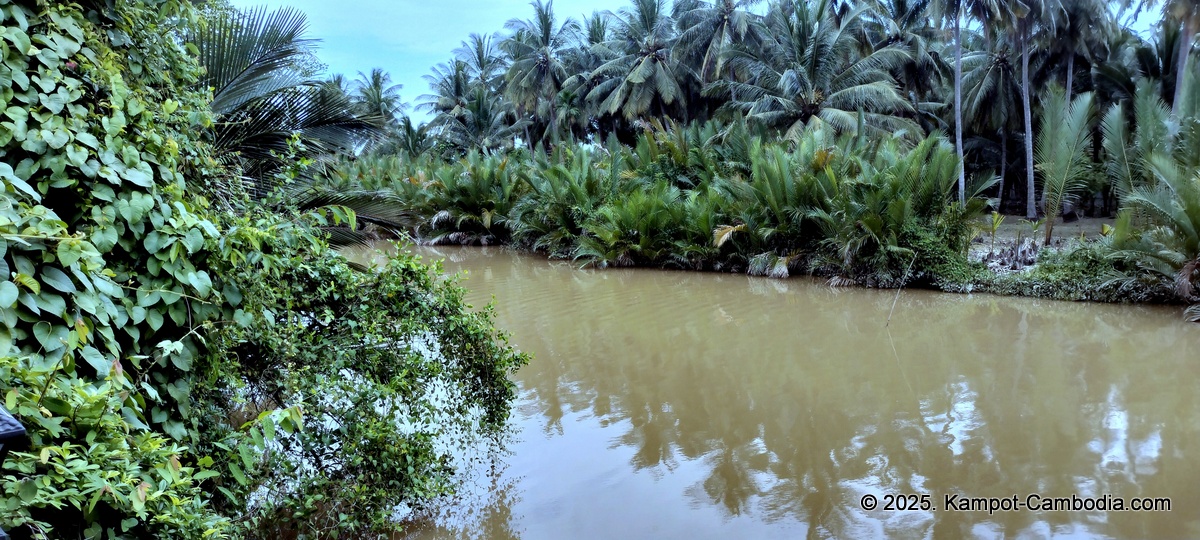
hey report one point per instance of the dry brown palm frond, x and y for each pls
(1183, 280)
(723, 233)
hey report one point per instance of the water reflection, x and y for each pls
(664, 404)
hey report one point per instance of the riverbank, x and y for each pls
(876, 213)
(1073, 269)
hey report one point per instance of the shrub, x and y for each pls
(186, 372)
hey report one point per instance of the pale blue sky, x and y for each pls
(408, 37)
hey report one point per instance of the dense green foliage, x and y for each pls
(189, 372)
(978, 70)
(708, 197)
(1157, 171)
(845, 100)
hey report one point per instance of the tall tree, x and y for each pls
(1027, 16)
(1188, 13)
(709, 28)
(1181, 14)
(485, 123)
(954, 11)
(809, 67)
(483, 60)
(589, 52)
(1082, 28)
(642, 77)
(991, 96)
(450, 83)
(537, 48)
(377, 99)
(907, 23)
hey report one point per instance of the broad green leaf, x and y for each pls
(51, 337)
(175, 429)
(69, 252)
(52, 303)
(7, 173)
(154, 318)
(154, 242)
(232, 295)
(201, 282)
(56, 139)
(268, 426)
(193, 240)
(141, 175)
(27, 281)
(95, 359)
(28, 490)
(238, 475)
(243, 319)
(88, 140)
(183, 359)
(56, 101)
(58, 280)
(18, 38)
(132, 418)
(204, 475)
(8, 294)
(77, 155)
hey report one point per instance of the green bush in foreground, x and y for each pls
(191, 373)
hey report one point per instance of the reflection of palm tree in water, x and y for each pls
(797, 408)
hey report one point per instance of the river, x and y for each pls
(687, 405)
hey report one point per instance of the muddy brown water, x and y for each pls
(682, 405)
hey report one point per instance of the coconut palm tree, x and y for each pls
(407, 139)
(1188, 13)
(991, 94)
(261, 98)
(1117, 68)
(589, 52)
(450, 83)
(377, 99)
(1183, 15)
(954, 11)
(642, 76)
(538, 48)
(1025, 18)
(907, 23)
(1082, 29)
(484, 60)
(485, 122)
(708, 28)
(809, 69)
(336, 86)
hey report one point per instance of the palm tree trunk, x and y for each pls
(553, 127)
(1070, 73)
(1030, 192)
(1185, 47)
(958, 137)
(528, 139)
(1003, 164)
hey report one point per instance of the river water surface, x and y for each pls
(684, 405)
